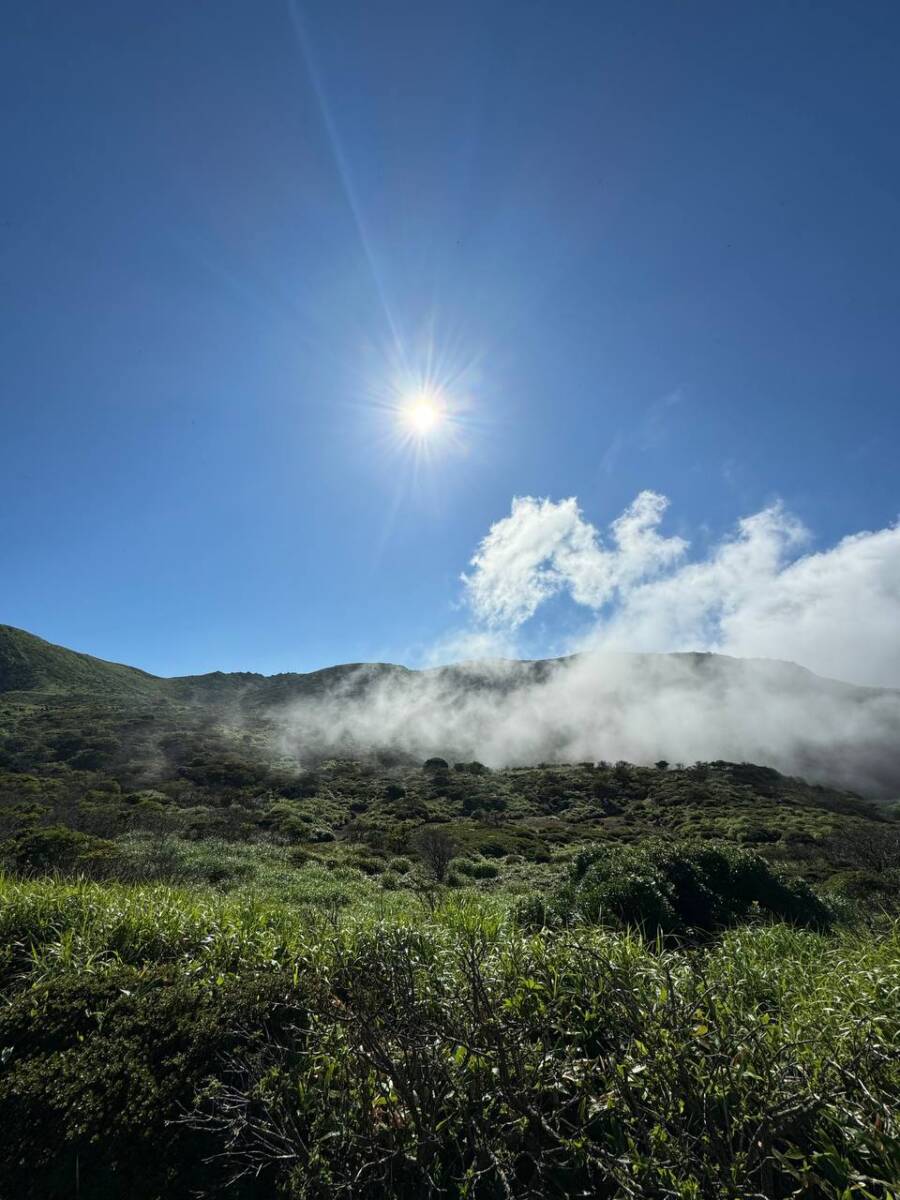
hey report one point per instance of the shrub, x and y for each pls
(759, 835)
(677, 888)
(366, 864)
(319, 833)
(537, 854)
(101, 1069)
(880, 887)
(579, 1067)
(435, 847)
(476, 868)
(451, 1056)
(471, 768)
(484, 870)
(433, 765)
(57, 848)
(298, 857)
(532, 912)
(492, 848)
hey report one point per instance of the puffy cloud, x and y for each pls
(543, 547)
(837, 612)
(756, 594)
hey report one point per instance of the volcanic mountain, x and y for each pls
(636, 707)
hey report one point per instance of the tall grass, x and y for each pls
(441, 1050)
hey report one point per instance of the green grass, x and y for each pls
(50, 927)
(412, 1049)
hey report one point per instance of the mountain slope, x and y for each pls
(510, 758)
(29, 664)
(635, 707)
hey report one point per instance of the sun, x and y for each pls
(422, 415)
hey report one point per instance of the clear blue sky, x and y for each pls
(659, 244)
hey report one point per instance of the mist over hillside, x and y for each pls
(636, 707)
(641, 708)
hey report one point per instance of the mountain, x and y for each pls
(29, 664)
(635, 707)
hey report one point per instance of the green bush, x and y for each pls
(872, 889)
(484, 870)
(100, 1069)
(476, 868)
(319, 834)
(758, 835)
(676, 888)
(448, 1056)
(493, 848)
(471, 768)
(472, 1066)
(299, 857)
(367, 864)
(56, 848)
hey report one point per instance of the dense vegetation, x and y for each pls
(160, 1041)
(226, 971)
(111, 752)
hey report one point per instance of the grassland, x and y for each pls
(160, 1040)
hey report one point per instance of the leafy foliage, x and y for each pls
(675, 889)
(98, 1068)
(452, 1055)
(55, 847)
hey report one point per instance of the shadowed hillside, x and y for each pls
(637, 707)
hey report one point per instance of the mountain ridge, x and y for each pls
(19, 648)
(30, 663)
(639, 708)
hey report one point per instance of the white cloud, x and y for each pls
(543, 547)
(756, 594)
(837, 612)
(759, 593)
(681, 707)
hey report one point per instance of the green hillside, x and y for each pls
(111, 752)
(29, 664)
(533, 980)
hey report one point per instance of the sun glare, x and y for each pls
(423, 415)
(424, 410)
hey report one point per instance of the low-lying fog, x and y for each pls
(678, 707)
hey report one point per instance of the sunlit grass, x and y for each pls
(769, 1040)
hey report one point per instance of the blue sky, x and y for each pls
(644, 246)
